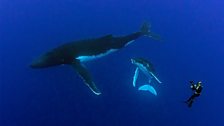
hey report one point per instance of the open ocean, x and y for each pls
(192, 48)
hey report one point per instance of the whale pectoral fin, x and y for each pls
(82, 71)
(155, 78)
(135, 76)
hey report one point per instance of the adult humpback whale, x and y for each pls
(77, 52)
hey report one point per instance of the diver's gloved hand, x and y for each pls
(191, 82)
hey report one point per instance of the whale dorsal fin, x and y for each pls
(109, 36)
(84, 74)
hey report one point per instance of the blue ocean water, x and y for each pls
(191, 49)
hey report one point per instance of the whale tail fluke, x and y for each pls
(149, 88)
(145, 30)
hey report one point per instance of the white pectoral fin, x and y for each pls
(135, 76)
(84, 74)
(148, 88)
(155, 78)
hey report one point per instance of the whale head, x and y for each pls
(142, 64)
(47, 60)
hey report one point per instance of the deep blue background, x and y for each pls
(192, 49)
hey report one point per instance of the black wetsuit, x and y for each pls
(197, 93)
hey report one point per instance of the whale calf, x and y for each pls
(77, 52)
(147, 68)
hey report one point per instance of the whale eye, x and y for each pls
(132, 61)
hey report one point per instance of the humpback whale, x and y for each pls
(147, 68)
(77, 52)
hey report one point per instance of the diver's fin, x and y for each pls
(189, 103)
(155, 77)
(135, 76)
(82, 71)
(148, 88)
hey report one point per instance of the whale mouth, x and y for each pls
(47, 60)
(38, 64)
(41, 62)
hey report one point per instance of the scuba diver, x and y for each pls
(197, 88)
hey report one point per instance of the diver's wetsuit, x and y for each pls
(198, 89)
